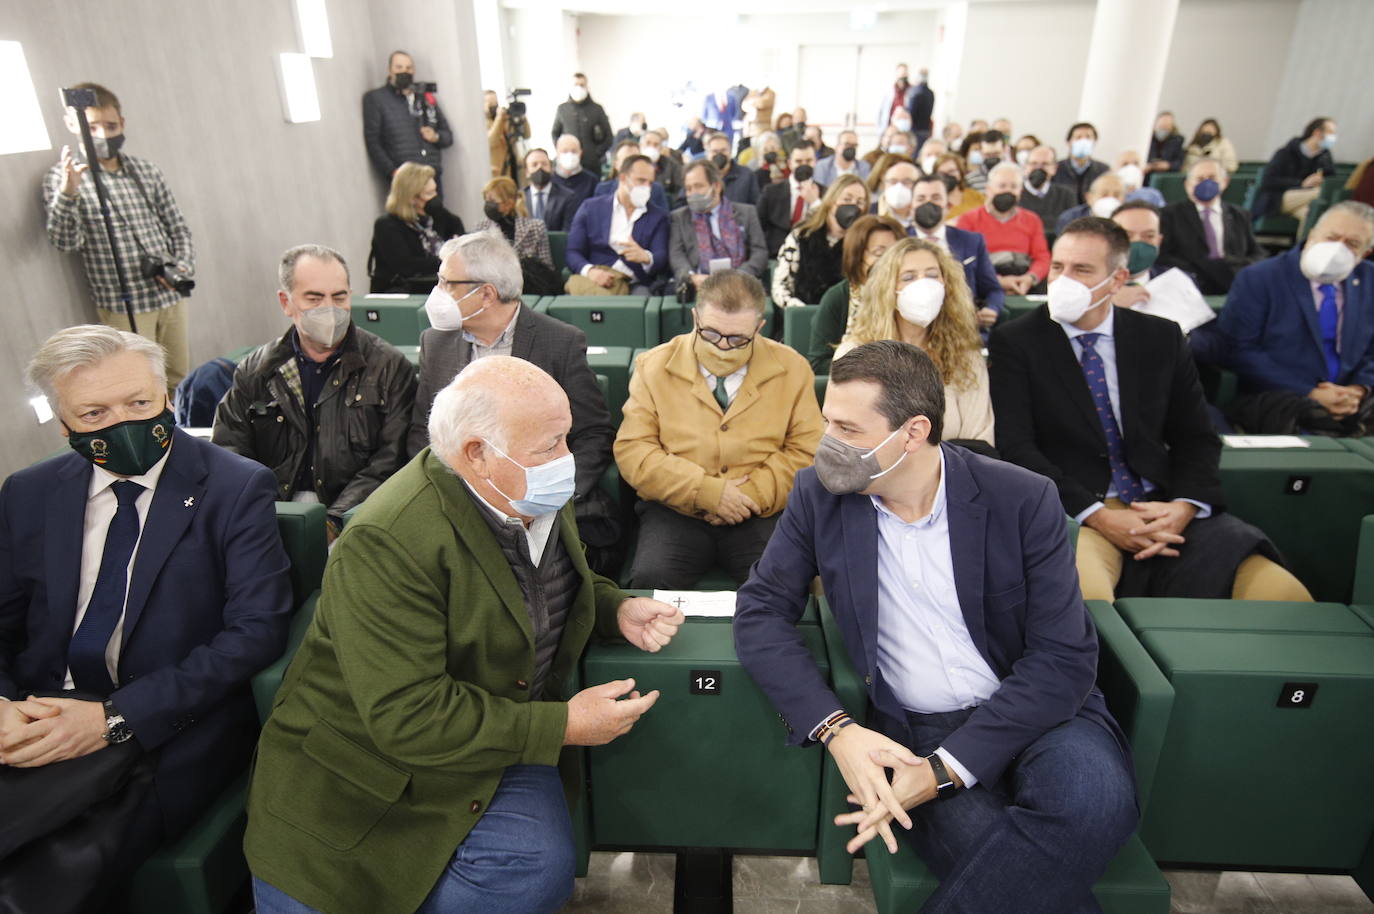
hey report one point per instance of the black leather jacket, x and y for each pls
(361, 418)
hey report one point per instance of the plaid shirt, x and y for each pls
(150, 224)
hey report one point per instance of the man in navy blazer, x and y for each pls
(144, 568)
(545, 198)
(619, 242)
(952, 580)
(1300, 327)
(929, 195)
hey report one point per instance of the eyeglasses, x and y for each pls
(448, 284)
(715, 336)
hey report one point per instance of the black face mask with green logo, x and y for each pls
(126, 448)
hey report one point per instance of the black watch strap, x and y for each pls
(944, 784)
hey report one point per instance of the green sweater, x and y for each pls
(827, 327)
(407, 700)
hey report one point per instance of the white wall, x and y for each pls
(1227, 61)
(1329, 71)
(1024, 61)
(541, 55)
(204, 105)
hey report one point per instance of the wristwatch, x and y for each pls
(944, 784)
(116, 729)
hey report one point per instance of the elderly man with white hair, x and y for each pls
(1015, 236)
(411, 761)
(476, 311)
(142, 584)
(1300, 327)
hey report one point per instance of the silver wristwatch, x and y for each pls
(116, 729)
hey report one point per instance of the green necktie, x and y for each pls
(722, 397)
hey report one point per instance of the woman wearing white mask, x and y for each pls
(810, 260)
(916, 293)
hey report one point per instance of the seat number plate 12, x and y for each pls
(704, 682)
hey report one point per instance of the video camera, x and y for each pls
(151, 267)
(515, 109)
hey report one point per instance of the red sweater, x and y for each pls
(1023, 232)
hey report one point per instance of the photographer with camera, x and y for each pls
(155, 247)
(506, 127)
(402, 122)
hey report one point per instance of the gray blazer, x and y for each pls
(558, 348)
(682, 241)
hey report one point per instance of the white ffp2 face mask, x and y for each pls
(1070, 299)
(1327, 262)
(444, 313)
(920, 302)
(898, 196)
(639, 196)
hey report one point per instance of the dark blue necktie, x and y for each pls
(1330, 320)
(1127, 484)
(86, 654)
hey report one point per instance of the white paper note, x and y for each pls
(1251, 441)
(719, 263)
(715, 603)
(1174, 296)
(386, 295)
(597, 350)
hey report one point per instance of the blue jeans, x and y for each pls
(1035, 841)
(518, 858)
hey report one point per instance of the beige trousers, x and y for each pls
(167, 328)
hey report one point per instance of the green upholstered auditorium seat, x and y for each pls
(558, 247)
(1138, 696)
(613, 363)
(796, 327)
(608, 320)
(201, 872)
(398, 319)
(1310, 501)
(764, 796)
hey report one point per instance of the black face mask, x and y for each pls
(1039, 177)
(928, 215)
(846, 214)
(803, 173)
(491, 111)
(951, 182)
(991, 162)
(771, 158)
(1205, 137)
(492, 209)
(720, 160)
(539, 177)
(1004, 202)
(849, 153)
(433, 207)
(402, 81)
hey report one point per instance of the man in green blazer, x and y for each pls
(409, 763)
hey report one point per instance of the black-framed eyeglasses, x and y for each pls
(448, 284)
(715, 336)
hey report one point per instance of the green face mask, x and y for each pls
(1142, 257)
(126, 448)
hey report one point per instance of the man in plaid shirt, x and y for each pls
(147, 221)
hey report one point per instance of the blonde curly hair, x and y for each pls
(952, 339)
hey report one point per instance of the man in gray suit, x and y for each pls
(713, 228)
(476, 311)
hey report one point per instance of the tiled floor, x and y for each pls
(643, 884)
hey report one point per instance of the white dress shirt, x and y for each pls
(925, 652)
(622, 227)
(937, 236)
(101, 505)
(795, 189)
(1105, 347)
(536, 534)
(732, 381)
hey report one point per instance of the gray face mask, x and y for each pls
(700, 203)
(325, 324)
(845, 469)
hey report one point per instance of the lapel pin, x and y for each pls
(190, 502)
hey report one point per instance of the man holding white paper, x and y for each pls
(1155, 289)
(711, 229)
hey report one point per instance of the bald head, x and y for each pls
(1108, 185)
(500, 417)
